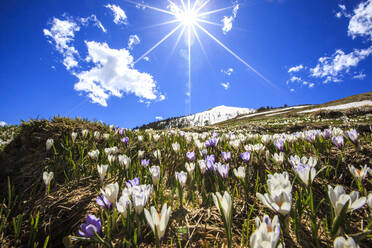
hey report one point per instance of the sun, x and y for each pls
(188, 17)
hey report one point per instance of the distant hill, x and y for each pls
(225, 116)
(205, 118)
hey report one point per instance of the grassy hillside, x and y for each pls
(34, 215)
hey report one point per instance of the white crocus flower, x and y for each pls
(124, 160)
(94, 154)
(157, 154)
(305, 172)
(139, 202)
(106, 136)
(240, 172)
(124, 204)
(267, 233)
(73, 136)
(141, 154)
(84, 132)
(360, 174)
(111, 192)
(278, 202)
(279, 198)
(156, 137)
(157, 221)
(102, 170)
(279, 182)
(49, 143)
(155, 174)
(96, 135)
(190, 167)
(278, 158)
(47, 177)
(140, 138)
(176, 147)
(111, 158)
(369, 200)
(202, 166)
(339, 198)
(182, 178)
(226, 204)
(341, 242)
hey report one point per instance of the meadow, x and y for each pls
(75, 183)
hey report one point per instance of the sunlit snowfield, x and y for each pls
(87, 184)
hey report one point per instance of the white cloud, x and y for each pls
(85, 21)
(296, 68)
(311, 85)
(227, 24)
(292, 90)
(331, 69)
(228, 72)
(361, 22)
(113, 75)
(359, 76)
(146, 58)
(119, 15)
(2, 123)
(338, 14)
(159, 118)
(133, 40)
(62, 34)
(226, 85)
(295, 79)
(227, 21)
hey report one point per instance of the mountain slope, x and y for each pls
(205, 118)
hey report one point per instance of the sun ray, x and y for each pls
(178, 39)
(199, 41)
(160, 24)
(183, 5)
(235, 55)
(189, 57)
(210, 22)
(150, 7)
(214, 11)
(157, 44)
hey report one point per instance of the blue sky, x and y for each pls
(79, 58)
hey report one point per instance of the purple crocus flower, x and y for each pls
(327, 133)
(125, 140)
(210, 163)
(102, 201)
(92, 225)
(353, 136)
(204, 152)
(226, 156)
(279, 144)
(310, 137)
(133, 182)
(223, 169)
(190, 156)
(245, 156)
(214, 135)
(145, 162)
(121, 131)
(338, 141)
(211, 142)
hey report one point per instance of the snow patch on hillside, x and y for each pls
(209, 117)
(216, 115)
(274, 111)
(341, 106)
